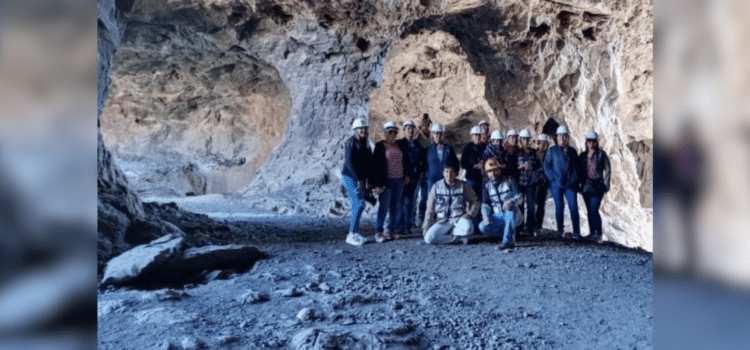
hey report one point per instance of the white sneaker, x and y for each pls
(355, 239)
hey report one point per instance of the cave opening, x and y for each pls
(180, 126)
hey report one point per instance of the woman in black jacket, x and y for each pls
(594, 175)
(355, 175)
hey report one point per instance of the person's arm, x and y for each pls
(379, 168)
(422, 159)
(407, 165)
(430, 213)
(607, 171)
(472, 199)
(349, 162)
(452, 154)
(548, 166)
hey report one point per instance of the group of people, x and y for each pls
(505, 179)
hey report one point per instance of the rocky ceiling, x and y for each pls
(256, 97)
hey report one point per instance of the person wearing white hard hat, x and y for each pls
(471, 159)
(500, 213)
(356, 175)
(595, 174)
(392, 169)
(424, 124)
(438, 154)
(561, 169)
(418, 158)
(451, 205)
(485, 125)
(542, 187)
(511, 142)
(424, 138)
(528, 166)
(495, 150)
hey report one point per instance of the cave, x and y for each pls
(244, 107)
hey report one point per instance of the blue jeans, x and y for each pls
(388, 204)
(501, 225)
(405, 218)
(358, 202)
(529, 193)
(593, 202)
(571, 196)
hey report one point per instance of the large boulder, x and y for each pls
(237, 256)
(143, 262)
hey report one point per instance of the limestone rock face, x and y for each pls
(278, 83)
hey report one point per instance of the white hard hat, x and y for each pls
(437, 128)
(483, 121)
(525, 133)
(543, 137)
(512, 132)
(562, 129)
(592, 135)
(476, 130)
(390, 125)
(496, 135)
(409, 122)
(360, 123)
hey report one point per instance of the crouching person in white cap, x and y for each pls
(500, 205)
(451, 205)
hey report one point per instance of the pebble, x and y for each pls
(192, 343)
(253, 297)
(306, 314)
(227, 339)
(290, 292)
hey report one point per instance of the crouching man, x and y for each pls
(500, 205)
(451, 205)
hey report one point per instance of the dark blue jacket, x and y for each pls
(471, 155)
(561, 167)
(357, 159)
(435, 165)
(417, 155)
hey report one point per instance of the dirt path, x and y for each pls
(545, 294)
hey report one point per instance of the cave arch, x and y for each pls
(196, 120)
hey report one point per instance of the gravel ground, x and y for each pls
(316, 292)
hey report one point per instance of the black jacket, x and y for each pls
(603, 170)
(471, 155)
(357, 159)
(417, 156)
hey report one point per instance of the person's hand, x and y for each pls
(486, 222)
(407, 180)
(466, 216)
(507, 205)
(377, 191)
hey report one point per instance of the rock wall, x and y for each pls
(190, 108)
(538, 63)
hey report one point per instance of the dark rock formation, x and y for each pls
(165, 261)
